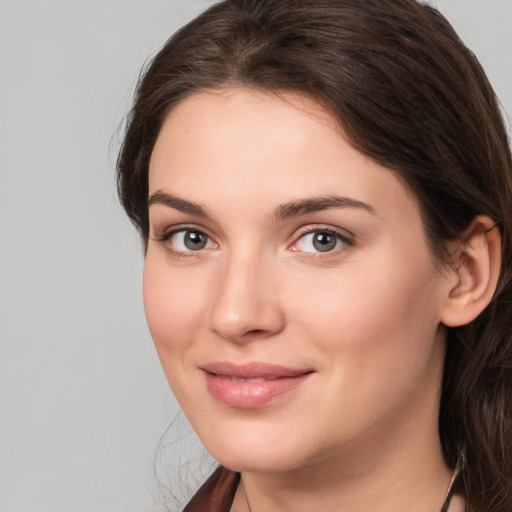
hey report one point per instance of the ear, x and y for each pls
(474, 273)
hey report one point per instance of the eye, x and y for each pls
(321, 241)
(187, 240)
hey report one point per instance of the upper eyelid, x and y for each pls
(303, 230)
(176, 228)
(313, 228)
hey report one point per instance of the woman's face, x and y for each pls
(288, 285)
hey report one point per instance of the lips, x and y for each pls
(252, 385)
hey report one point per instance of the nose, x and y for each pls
(246, 304)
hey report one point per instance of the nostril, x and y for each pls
(254, 332)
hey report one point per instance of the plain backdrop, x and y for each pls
(83, 402)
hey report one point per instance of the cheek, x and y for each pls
(376, 332)
(172, 306)
(374, 317)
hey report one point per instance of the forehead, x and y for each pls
(229, 123)
(239, 145)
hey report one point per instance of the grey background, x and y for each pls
(83, 401)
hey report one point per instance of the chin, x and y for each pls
(257, 462)
(256, 453)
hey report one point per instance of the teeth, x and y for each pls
(257, 379)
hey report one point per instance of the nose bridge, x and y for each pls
(246, 305)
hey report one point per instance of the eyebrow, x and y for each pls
(181, 205)
(316, 204)
(284, 211)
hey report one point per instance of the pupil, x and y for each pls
(194, 240)
(324, 242)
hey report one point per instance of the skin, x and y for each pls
(360, 434)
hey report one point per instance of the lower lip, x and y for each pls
(250, 395)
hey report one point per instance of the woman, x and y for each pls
(324, 190)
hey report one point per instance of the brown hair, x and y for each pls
(411, 96)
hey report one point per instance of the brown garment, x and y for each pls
(218, 492)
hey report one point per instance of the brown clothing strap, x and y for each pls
(216, 494)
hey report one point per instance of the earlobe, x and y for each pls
(474, 274)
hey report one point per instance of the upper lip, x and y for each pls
(254, 370)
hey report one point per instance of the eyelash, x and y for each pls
(347, 239)
(165, 237)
